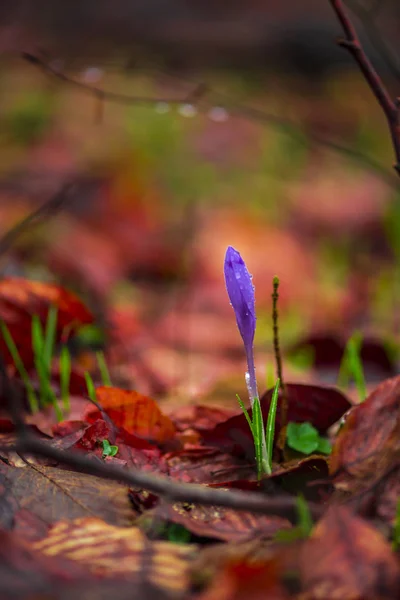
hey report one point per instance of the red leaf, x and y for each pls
(206, 465)
(221, 523)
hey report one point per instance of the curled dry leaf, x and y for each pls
(113, 552)
(347, 558)
(139, 415)
(368, 446)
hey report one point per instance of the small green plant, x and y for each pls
(178, 534)
(108, 449)
(303, 437)
(396, 529)
(43, 343)
(352, 367)
(19, 365)
(43, 346)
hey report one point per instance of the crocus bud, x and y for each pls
(241, 294)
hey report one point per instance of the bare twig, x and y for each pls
(49, 207)
(368, 18)
(285, 125)
(390, 107)
(170, 490)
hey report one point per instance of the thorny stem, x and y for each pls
(390, 107)
(278, 362)
(275, 325)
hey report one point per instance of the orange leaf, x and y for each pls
(136, 413)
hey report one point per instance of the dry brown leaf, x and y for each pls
(218, 522)
(347, 558)
(367, 449)
(124, 553)
(35, 497)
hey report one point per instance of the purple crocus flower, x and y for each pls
(241, 294)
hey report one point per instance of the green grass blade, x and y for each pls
(356, 366)
(47, 395)
(258, 435)
(15, 355)
(37, 336)
(396, 529)
(246, 414)
(343, 378)
(37, 347)
(50, 336)
(305, 520)
(104, 372)
(352, 367)
(270, 431)
(65, 377)
(90, 387)
(269, 376)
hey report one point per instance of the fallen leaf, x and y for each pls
(206, 465)
(216, 522)
(198, 417)
(132, 451)
(120, 553)
(139, 415)
(27, 574)
(368, 445)
(253, 580)
(345, 557)
(45, 495)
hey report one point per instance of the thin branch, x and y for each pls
(390, 107)
(101, 95)
(285, 125)
(47, 209)
(170, 490)
(366, 16)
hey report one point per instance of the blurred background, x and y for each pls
(182, 127)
